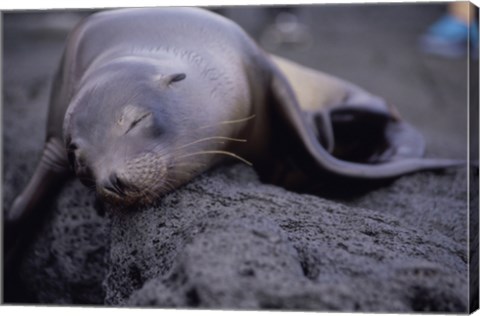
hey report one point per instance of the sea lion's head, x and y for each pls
(132, 131)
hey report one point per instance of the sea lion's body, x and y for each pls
(220, 85)
(145, 99)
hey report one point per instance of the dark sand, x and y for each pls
(228, 241)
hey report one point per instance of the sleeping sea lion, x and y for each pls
(146, 99)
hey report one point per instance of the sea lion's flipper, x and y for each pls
(365, 135)
(321, 124)
(351, 123)
(302, 142)
(28, 206)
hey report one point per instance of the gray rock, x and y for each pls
(228, 241)
(65, 263)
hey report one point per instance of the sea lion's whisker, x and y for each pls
(182, 163)
(229, 122)
(220, 152)
(169, 185)
(212, 138)
(165, 186)
(190, 166)
(161, 153)
(187, 173)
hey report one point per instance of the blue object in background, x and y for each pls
(449, 37)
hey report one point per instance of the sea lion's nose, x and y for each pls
(113, 184)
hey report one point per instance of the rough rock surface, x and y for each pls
(228, 241)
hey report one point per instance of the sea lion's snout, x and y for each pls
(113, 185)
(138, 179)
(119, 179)
(118, 190)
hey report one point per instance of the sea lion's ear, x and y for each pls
(166, 80)
(174, 78)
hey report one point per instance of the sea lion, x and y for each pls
(146, 99)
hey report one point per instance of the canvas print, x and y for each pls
(302, 157)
